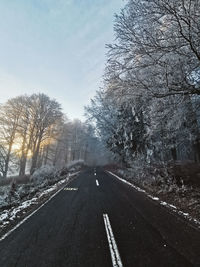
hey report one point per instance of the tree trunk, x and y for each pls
(7, 159)
(55, 156)
(35, 155)
(197, 151)
(24, 156)
(174, 153)
(46, 155)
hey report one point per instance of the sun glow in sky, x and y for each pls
(55, 47)
(16, 149)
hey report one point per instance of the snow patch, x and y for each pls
(9, 215)
(154, 198)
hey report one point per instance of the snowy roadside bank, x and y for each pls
(12, 216)
(173, 207)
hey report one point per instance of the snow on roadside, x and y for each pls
(9, 215)
(163, 203)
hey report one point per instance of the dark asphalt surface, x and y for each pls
(69, 230)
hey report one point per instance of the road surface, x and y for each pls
(99, 221)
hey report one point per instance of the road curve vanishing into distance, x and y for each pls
(99, 221)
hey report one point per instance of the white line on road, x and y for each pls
(116, 259)
(126, 182)
(95, 174)
(97, 182)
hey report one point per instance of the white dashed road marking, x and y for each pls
(97, 182)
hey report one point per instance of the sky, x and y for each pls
(56, 47)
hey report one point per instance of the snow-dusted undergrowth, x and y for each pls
(16, 199)
(43, 174)
(11, 214)
(13, 194)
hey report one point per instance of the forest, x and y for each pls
(120, 186)
(144, 121)
(148, 109)
(35, 132)
(147, 113)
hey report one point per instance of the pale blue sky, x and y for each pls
(56, 47)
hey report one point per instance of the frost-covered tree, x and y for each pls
(25, 123)
(45, 113)
(149, 106)
(157, 48)
(10, 114)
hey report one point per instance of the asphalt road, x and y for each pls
(104, 223)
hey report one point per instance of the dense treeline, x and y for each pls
(35, 132)
(149, 107)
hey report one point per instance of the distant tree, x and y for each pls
(45, 113)
(10, 114)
